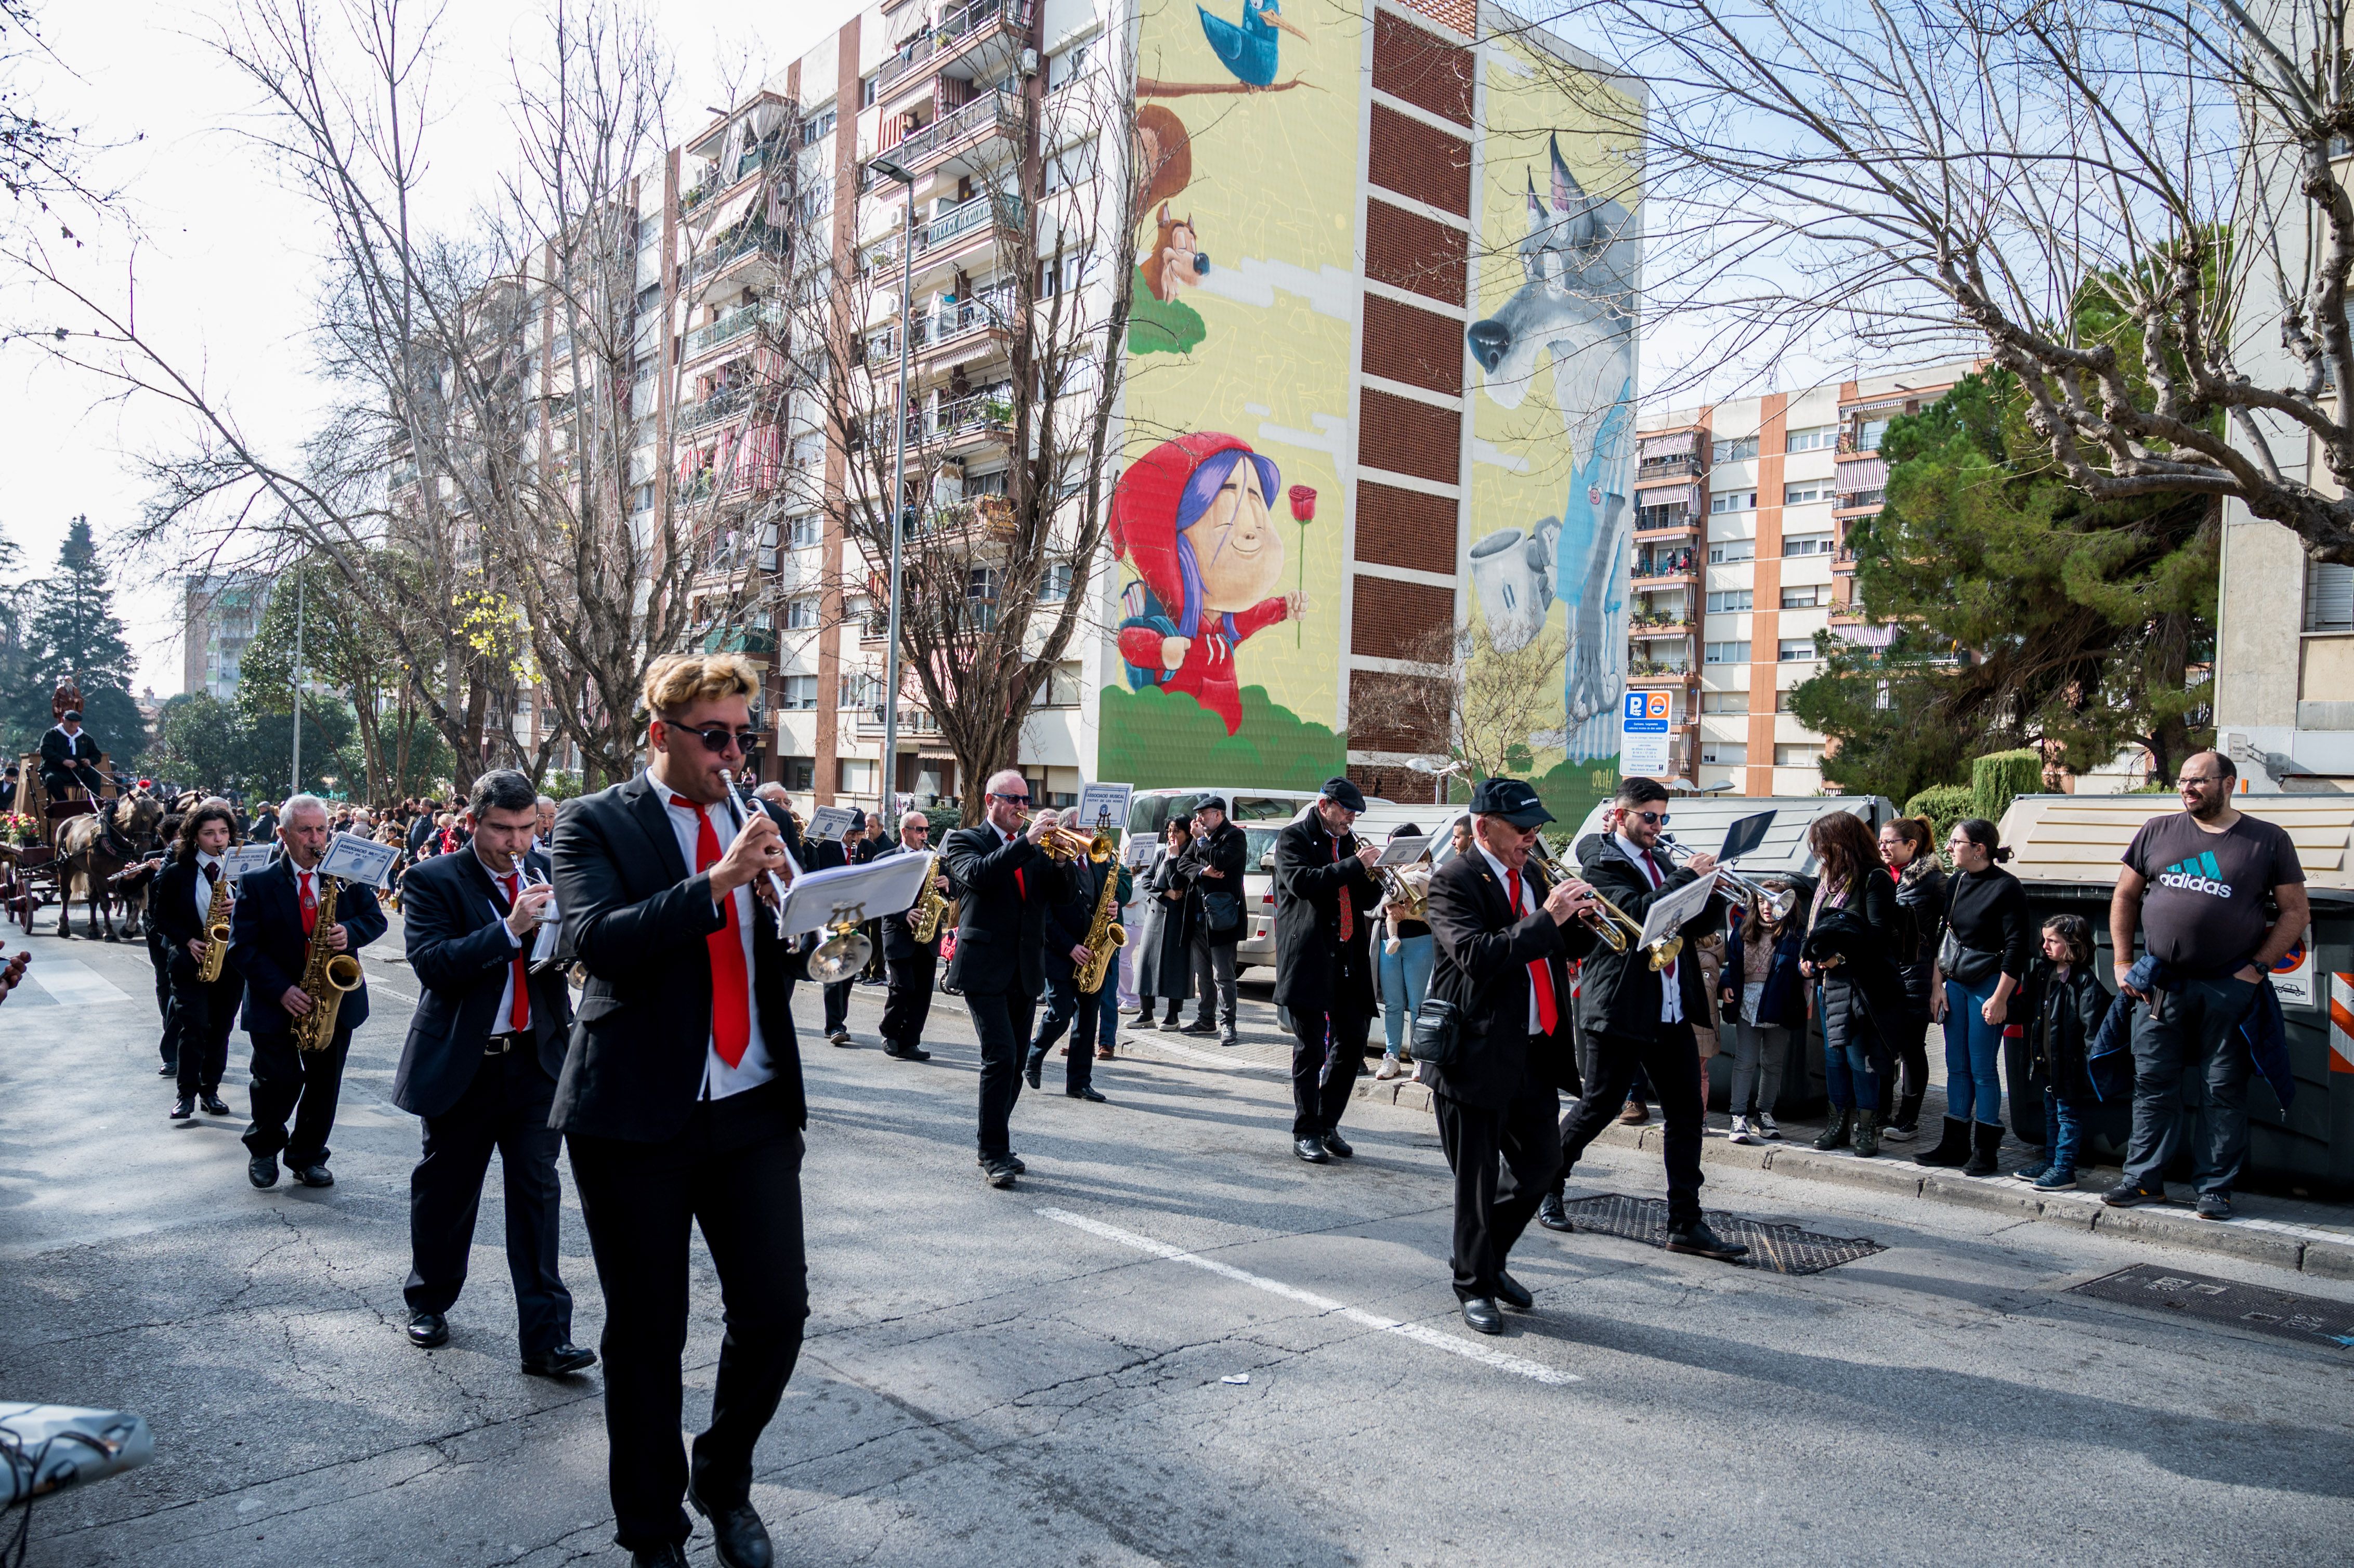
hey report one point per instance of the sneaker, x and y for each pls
(2129, 1193)
(839, 1037)
(1389, 1069)
(2032, 1172)
(2056, 1180)
(1899, 1134)
(1767, 1127)
(1741, 1132)
(2214, 1205)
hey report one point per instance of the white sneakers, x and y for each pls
(1767, 1128)
(1741, 1131)
(1389, 1068)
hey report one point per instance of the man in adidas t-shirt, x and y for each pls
(2196, 882)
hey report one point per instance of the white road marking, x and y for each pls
(1215, 1058)
(75, 984)
(1420, 1333)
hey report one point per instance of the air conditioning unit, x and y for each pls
(1029, 62)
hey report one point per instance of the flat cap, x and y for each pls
(1341, 792)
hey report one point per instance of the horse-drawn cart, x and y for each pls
(60, 857)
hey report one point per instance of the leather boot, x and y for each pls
(1835, 1135)
(1986, 1141)
(1867, 1134)
(1953, 1146)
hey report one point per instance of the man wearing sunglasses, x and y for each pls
(1633, 1016)
(681, 1099)
(1010, 883)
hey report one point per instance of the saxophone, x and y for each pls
(1105, 935)
(208, 968)
(326, 975)
(924, 921)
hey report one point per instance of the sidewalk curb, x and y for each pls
(2000, 1194)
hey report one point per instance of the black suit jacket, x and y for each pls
(268, 947)
(453, 917)
(1619, 993)
(1315, 970)
(898, 942)
(1483, 954)
(639, 922)
(1001, 925)
(59, 751)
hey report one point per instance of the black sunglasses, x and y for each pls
(714, 737)
(1010, 799)
(1655, 817)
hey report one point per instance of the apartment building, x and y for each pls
(1370, 305)
(218, 616)
(1741, 560)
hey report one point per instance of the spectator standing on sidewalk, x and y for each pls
(1164, 950)
(1404, 974)
(1764, 1000)
(2195, 882)
(1849, 927)
(1980, 962)
(2066, 1005)
(1215, 863)
(1905, 848)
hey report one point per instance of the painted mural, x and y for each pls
(1238, 398)
(1553, 354)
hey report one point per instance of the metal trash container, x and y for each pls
(2067, 849)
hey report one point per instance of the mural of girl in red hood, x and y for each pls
(1191, 519)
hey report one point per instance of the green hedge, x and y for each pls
(1944, 805)
(1998, 775)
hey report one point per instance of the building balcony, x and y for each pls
(960, 421)
(1682, 527)
(717, 409)
(983, 216)
(912, 721)
(1641, 628)
(957, 33)
(1680, 571)
(741, 322)
(717, 182)
(1681, 465)
(943, 329)
(733, 638)
(1660, 673)
(747, 238)
(992, 116)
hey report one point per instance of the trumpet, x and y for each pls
(1775, 902)
(1618, 929)
(1069, 843)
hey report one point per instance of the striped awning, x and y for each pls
(1862, 473)
(1675, 443)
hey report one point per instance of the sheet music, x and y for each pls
(1670, 912)
(351, 858)
(1404, 852)
(244, 858)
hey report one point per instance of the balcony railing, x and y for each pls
(959, 221)
(1662, 626)
(1658, 669)
(1652, 519)
(734, 325)
(1649, 469)
(956, 30)
(747, 238)
(715, 409)
(1682, 565)
(991, 111)
(912, 720)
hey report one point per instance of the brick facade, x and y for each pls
(1410, 438)
(1414, 65)
(1419, 161)
(1421, 348)
(1409, 252)
(1410, 528)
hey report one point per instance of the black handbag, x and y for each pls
(1967, 965)
(1438, 1033)
(1222, 912)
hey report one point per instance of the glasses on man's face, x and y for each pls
(1657, 819)
(715, 738)
(2193, 781)
(1010, 799)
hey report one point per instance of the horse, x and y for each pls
(93, 848)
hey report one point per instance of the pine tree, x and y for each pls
(72, 633)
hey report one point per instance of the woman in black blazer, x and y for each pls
(1851, 951)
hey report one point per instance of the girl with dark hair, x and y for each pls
(1851, 931)
(1906, 848)
(2065, 1007)
(1981, 961)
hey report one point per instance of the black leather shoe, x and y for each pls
(562, 1361)
(908, 1053)
(663, 1556)
(168, 1070)
(1029, 1070)
(314, 1175)
(262, 1171)
(184, 1107)
(1086, 1092)
(1514, 1294)
(1338, 1147)
(738, 1537)
(1312, 1150)
(1552, 1216)
(1700, 1241)
(428, 1331)
(1013, 1159)
(1199, 1026)
(1479, 1315)
(1000, 1173)
(214, 1105)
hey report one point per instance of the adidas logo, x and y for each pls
(2199, 873)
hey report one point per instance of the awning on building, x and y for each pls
(1862, 473)
(1686, 496)
(1675, 443)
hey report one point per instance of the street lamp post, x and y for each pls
(1440, 770)
(887, 787)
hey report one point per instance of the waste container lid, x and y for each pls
(2082, 838)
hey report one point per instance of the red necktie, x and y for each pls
(731, 1008)
(1348, 910)
(1539, 972)
(310, 904)
(519, 1014)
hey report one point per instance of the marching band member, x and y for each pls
(1505, 938)
(909, 966)
(681, 1099)
(271, 927)
(479, 1068)
(179, 907)
(1324, 895)
(1633, 1016)
(1010, 883)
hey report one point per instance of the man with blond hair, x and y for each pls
(680, 1100)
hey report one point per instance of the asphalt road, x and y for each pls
(1041, 1376)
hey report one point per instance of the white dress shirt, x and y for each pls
(204, 890)
(719, 1079)
(1504, 876)
(1672, 995)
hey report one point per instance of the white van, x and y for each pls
(1261, 814)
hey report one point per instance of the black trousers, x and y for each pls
(1492, 1209)
(1670, 1058)
(1003, 1025)
(1327, 1055)
(837, 1003)
(159, 954)
(63, 782)
(735, 1171)
(204, 1016)
(290, 1083)
(908, 1002)
(505, 1109)
(1065, 1002)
